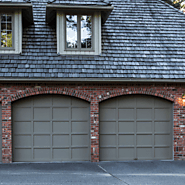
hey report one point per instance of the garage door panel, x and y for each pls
(144, 114)
(61, 127)
(162, 127)
(108, 127)
(42, 140)
(61, 114)
(22, 127)
(80, 114)
(22, 140)
(144, 127)
(80, 126)
(23, 154)
(144, 153)
(42, 102)
(126, 140)
(80, 154)
(19, 111)
(61, 101)
(126, 101)
(141, 124)
(41, 127)
(61, 140)
(42, 154)
(79, 103)
(108, 114)
(162, 114)
(50, 127)
(143, 140)
(108, 140)
(61, 154)
(125, 114)
(144, 101)
(25, 102)
(125, 126)
(159, 102)
(126, 154)
(41, 113)
(80, 140)
(108, 154)
(108, 103)
(163, 140)
(163, 153)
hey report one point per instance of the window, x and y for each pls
(79, 33)
(6, 31)
(11, 32)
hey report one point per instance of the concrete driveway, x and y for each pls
(125, 173)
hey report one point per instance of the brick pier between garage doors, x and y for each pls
(129, 129)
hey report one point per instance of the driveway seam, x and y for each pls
(111, 174)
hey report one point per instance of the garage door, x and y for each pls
(135, 127)
(51, 128)
(1, 133)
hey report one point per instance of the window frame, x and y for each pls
(61, 33)
(16, 32)
(79, 48)
(13, 31)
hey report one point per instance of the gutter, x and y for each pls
(76, 7)
(16, 5)
(97, 80)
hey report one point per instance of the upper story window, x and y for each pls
(6, 31)
(79, 32)
(13, 16)
(78, 27)
(11, 32)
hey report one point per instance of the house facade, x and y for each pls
(91, 81)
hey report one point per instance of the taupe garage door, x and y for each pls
(1, 133)
(135, 127)
(51, 128)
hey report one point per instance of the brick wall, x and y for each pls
(94, 93)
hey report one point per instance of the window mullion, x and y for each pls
(79, 31)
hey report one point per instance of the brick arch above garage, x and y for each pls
(60, 91)
(130, 91)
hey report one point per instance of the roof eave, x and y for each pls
(51, 9)
(89, 80)
(26, 8)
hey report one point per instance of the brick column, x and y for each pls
(6, 132)
(94, 113)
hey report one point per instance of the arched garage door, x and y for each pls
(135, 127)
(51, 128)
(1, 132)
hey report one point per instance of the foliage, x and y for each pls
(179, 4)
(6, 39)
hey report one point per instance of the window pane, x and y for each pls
(6, 31)
(71, 31)
(9, 18)
(9, 39)
(86, 31)
(3, 26)
(3, 18)
(9, 26)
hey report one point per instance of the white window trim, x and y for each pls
(17, 34)
(61, 37)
